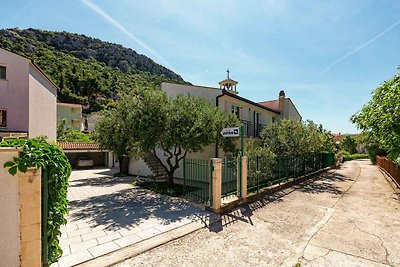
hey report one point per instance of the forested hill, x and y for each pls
(87, 70)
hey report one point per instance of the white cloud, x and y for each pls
(360, 47)
(129, 34)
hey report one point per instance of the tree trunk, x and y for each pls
(171, 174)
(171, 178)
(123, 164)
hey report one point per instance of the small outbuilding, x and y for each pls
(100, 157)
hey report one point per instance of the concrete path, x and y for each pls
(350, 217)
(108, 213)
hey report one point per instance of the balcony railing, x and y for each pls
(252, 129)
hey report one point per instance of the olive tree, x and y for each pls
(146, 121)
(133, 126)
(192, 124)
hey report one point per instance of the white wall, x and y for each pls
(42, 106)
(208, 93)
(112, 160)
(139, 167)
(290, 111)
(246, 112)
(9, 210)
(92, 121)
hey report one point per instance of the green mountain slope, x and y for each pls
(87, 70)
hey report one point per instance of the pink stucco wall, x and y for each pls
(42, 106)
(29, 98)
(14, 91)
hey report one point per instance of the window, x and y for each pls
(257, 118)
(3, 118)
(235, 110)
(2, 72)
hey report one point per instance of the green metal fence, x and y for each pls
(230, 176)
(197, 180)
(262, 172)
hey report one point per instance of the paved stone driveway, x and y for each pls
(108, 213)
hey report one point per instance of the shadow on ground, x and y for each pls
(320, 183)
(101, 181)
(324, 184)
(130, 207)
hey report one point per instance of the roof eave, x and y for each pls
(249, 101)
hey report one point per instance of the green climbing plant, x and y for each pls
(38, 153)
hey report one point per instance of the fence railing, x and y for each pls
(197, 182)
(390, 168)
(262, 172)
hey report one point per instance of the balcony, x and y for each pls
(252, 129)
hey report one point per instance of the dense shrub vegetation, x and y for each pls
(289, 137)
(380, 120)
(38, 153)
(348, 144)
(348, 157)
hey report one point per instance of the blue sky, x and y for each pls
(327, 55)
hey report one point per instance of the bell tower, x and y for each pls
(228, 84)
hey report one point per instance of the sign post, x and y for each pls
(241, 141)
(236, 132)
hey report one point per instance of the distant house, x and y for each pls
(72, 114)
(28, 99)
(254, 116)
(284, 106)
(90, 121)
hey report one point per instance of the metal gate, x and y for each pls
(197, 180)
(231, 172)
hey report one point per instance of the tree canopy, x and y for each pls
(349, 144)
(380, 117)
(290, 137)
(143, 122)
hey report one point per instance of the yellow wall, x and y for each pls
(71, 114)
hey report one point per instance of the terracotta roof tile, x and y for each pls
(79, 146)
(272, 104)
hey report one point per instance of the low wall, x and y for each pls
(389, 168)
(20, 208)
